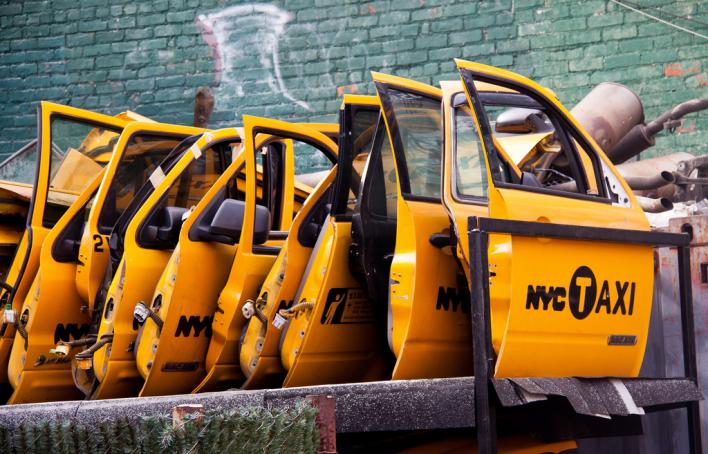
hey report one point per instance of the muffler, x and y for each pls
(650, 205)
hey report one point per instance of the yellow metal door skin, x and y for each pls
(52, 313)
(113, 365)
(560, 307)
(247, 263)
(332, 338)
(53, 192)
(70, 301)
(140, 148)
(259, 351)
(429, 330)
(251, 266)
(185, 300)
(260, 348)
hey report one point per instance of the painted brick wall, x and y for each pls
(293, 59)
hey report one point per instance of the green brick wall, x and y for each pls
(294, 59)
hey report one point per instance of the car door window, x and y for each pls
(79, 151)
(193, 183)
(361, 138)
(470, 169)
(534, 149)
(383, 195)
(417, 130)
(141, 156)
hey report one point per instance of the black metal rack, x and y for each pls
(479, 229)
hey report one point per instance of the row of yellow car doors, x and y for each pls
(428, 327)
(435, 341)
(31, 373)
(59, 304)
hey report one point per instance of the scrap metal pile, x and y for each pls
(151, 259)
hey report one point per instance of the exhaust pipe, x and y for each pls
(641, 136)
(638, 182)
(652, 166)
(650, 205)
(653, 169)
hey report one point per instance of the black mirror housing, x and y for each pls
(227, 224)
(162, 229)
(170, 223)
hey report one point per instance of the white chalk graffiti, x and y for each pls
(259, 48)
(239, 33)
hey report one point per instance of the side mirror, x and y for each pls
(519, 120)
(162, 230)
(227, 224)
(170, 223)
(66, 246)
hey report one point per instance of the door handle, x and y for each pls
(442, 239)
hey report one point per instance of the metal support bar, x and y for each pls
(690, 363)
(582, 233)
(485, 412)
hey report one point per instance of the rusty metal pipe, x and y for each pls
(568, 186)
(638, 182)
(666, 192)
(678, 112)
(641, 137)
(650, 205)
(203, 107)
(635, 182)
(636, 141)
(652, 166)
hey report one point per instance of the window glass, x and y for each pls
(390, 180)
(383, 196)
(21, 166)
(142, 154)
(419, 126)
(363, 131)
(79, 151)
(470, 168)
(311, 164)
(531, 149)
(271, 182)
(587, 165)
(189, 188)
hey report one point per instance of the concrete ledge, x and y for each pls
(444, 403)
(361, 407)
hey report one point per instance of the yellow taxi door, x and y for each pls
(428, 316)
(56, 318)
(45, 319)
(73, 146)
(140, 149)
(233, 336)
(187, 292)
(330, 333)
(244, 283)
(146, 238)
(558, 307)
